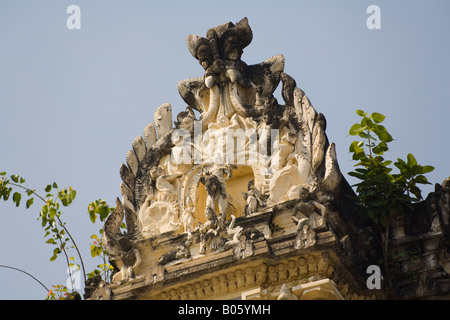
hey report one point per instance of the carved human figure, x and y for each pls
(308, 210)
(173, 294)
(253, 199)
(292, 269)
(199, 290)
(325, 266)
(210, 237)
(188, 216)
(181, 157)
(312, 263)
(286, 293)
(283, 147)
(273, 275)
(286, 181)
(282, 272)
(232, 285)
(219, 139)
(182, 293)
(164, 184)
(191, 292)
(240, 279)
(215, 185)
(249, 276)
(207, 287)
(261, 274)
(306, 236)
(302, 267)
(165, 296)
(223, 283)
(215, 283)
(235, 232)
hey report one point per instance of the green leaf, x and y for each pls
(377, 117)
(355, 147)
(357, 175)
(411, 160)
(382, 133)
(52, 213)
(48, 188)
(29, 202)
(421, 179)
(361, 113)
(16, 198)
(366, 122)
(55, 185)
(2, 173)
(15, 178)
(72, 194)
(426, 169)
(380, 148)
(356, 129)
(6, 193)
(92, 216)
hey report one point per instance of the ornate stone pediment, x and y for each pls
(236, 175)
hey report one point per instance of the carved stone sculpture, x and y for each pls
(245, 154)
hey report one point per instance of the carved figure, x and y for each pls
(210, 237)
(156, 217)
(215, 184)
(288, 179)
(308, 210)
(306, 236)
(261, 274)
(286, 293)
(231, 95)
(131, 259)
(164, 184)
(253, 199)
(188, 216)
(242, 241)
(181, 252)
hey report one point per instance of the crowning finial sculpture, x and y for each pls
(245, 154)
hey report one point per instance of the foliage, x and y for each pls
(59, 292)
(381, 192)
(56, 231)
(99, 209)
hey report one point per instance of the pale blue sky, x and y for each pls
(72, 101)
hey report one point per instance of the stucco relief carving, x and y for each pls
(245, 153)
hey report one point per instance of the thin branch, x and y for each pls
(17, 269)
(60, 222)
